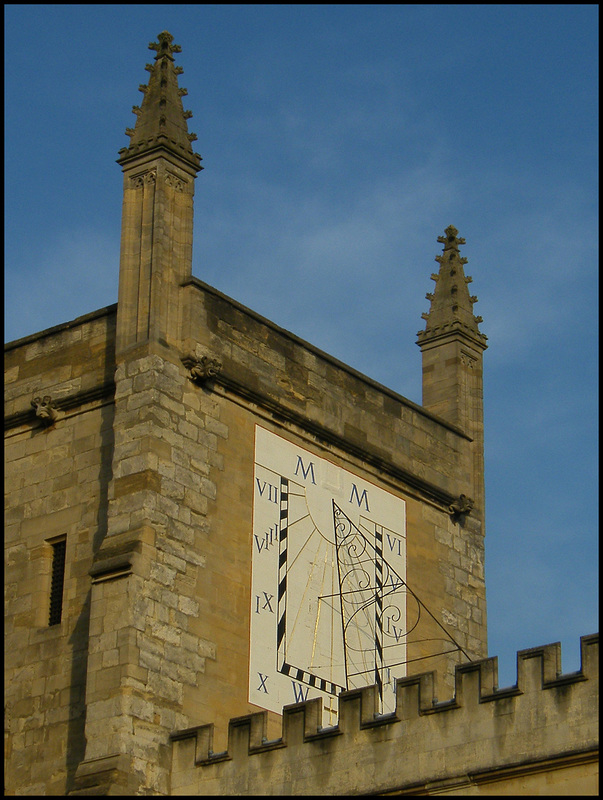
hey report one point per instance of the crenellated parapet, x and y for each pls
(547, 723)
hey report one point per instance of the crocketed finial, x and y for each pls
(161, 120)
(451, 304)
(451, 241)
(164, 46)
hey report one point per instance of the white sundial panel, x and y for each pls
(328, 597)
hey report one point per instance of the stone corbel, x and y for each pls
(461, 507)
(45, 410)
(202, 369)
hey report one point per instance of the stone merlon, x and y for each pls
(482, 729)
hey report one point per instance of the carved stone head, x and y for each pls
(45, 409)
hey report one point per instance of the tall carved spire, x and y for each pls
(451, 304)
(452, 347)
(159, 170)
(161, 119)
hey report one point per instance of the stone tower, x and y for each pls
(234, 563)
(243, 521)
(452, 347)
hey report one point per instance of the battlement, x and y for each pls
(483, 734)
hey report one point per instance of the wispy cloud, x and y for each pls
(78, 270)
(338, 143)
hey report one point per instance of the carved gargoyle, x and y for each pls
(462, 506)
(204, 369)
(45, 410)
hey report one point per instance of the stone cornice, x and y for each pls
(450, 332)
(281, 414)
(199, 284)
(105, 391)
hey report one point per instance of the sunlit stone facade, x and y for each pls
(208, 519)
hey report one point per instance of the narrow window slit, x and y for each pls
(57, 580)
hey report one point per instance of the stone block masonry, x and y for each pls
(161, 547)
(144, 607)
(57, 479)
(131, 442)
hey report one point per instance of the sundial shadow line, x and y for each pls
(338, 510)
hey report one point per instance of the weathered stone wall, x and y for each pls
(130, 438)
(56, 482)
(155, 486)
(448, 576)
(344, 406)
(146, 647)
(270, 376)
(538, 737)
(172, 579)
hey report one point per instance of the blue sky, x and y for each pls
(338, 142)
